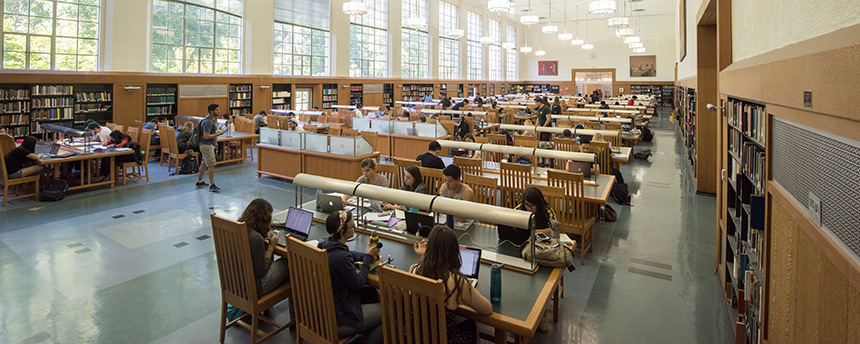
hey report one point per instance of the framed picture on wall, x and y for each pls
(682, 15)
(547, 67)
(643, 66)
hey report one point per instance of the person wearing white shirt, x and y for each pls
(99, 134)
(358, 111)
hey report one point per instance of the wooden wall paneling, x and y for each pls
(317, 101)
(853, 313)
(261, 98)
(781, 277)
(724, 33)
(333, 166)
(398, 91)
(129, 106)
(278, 161)
(343, 93)
(197, 106)
(706, 120)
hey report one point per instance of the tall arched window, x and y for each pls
(196, 36)
(51, 34)
(415, 58)
(512, 55)
(494, 51)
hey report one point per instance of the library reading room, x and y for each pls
(429, 171)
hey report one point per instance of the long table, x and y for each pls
(525, 297)
(224, 144)
(87, 162)
(286, 163)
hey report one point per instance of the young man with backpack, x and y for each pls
(207, 134)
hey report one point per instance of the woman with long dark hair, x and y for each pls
(412, 181)
(22, 161)
(545, 220)
(269, 273)
(348, 284)
(440, 260)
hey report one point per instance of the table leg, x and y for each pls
(112, 171)
(556, 299)
(501, 336)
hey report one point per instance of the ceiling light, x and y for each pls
(631, 39)
(456, 33)
(618, 22)
(415, 23)
(577, 42)
(636, 45)
(601, 7)
(540, 53)
(621, 33)
(549, 29)
(565, 36)
(639, 50)
(587, 46)
(529, 20)
(486, 40)
(499, 6)
(525, 50)
(509, 45)
(354, 8)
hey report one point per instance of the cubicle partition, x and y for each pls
(285, 154)
(401, 139)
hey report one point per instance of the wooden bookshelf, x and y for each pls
(743, 242)
(460, 91)
(686, 117)
(282, 96)
(356, 94)
(15, 110)
(161, 101)
(416, 92)
(240, 99)
(51, 104)
(388, 94)
(329, 95)
(93, 101)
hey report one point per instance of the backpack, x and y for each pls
(197, 134)
(138, 151)
(188, 165)
(620, 194)
(609, 214)
(643, 154)
(54, 191)
(552, 254)
(523, 161)
(618, 177)
(647, 136)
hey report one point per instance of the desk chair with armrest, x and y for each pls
(238, 284)
(413, 308)
(15, 182)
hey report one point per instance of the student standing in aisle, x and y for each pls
(446, 103)
(544, 119)
(208, 139)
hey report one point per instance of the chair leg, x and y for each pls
(223, 320)
(146, 169)
(5, 193)
(255, 319)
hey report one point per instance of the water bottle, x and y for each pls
(496, 283)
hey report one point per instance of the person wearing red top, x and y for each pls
(117, 140)
(631, 100)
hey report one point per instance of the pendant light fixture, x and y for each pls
(639, 50)
(540, 51)
(565, 36)
(549, 29)
(354, 8)
(621, 21)
(587, 46)
(499, 6)
(526, 49)
(529, 20)
(577, 42)
(416, 23)
(601, 7)
(486, 39)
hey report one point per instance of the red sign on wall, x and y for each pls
(547, 67)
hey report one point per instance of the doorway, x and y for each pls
(588, 82)
(304, 98)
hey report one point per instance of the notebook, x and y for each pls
(471, 263)
(299, 223)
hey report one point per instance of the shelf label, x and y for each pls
(814, 208)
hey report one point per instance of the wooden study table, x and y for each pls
(525, 297)
(595, 190)
(87, 163)
(409, 147)
(224, 144)
(286, 163)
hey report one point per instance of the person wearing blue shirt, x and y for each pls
(209, 133)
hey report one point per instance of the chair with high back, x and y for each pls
(496, 139)
(414, 117)
(238, 284)
(469, 165)
(316, 321)
(119, 128)
(334, 131)
(433, 179)
(165, 143)
(272, 121)
(574, 218)
(486, 189)
(525, 141)
(283, 123)
(514, 178)
(413, 308)
(390, 172)
(134, 170)
(431, 120)
(611, 126)
(110, 125)
(564, 145)
(450, 127)
(372, 137)
(616, 140)
(310, 128)
(444, 117)
(15, 182)
(138, 123)
(175, 157)
(7, 143)
(134, 134)
(349, 132)
(604, 155)
(402, 164)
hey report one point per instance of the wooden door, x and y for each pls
(129, 105)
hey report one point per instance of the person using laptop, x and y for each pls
(369, 176)
(269, 273)
(348, 283)
(454, 188)
(412, 181)
(440, 260)
(585, 147)
(545, 220)
(22, 160)
(431, 158)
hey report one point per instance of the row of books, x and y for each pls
(14, 94)
(91, 108)
(17, 119)
(240, 88)
(15, 107)
(330, 90)
(235, 96)
(17, 131)
(276, 101)
(240, 103)
(749, 118)
(239, 112)
(53, 114)
(52, 102)
(282, 94)
(51, 90)
(159, 110)
(753, 159)
(330, 98)
(160, 99)
(103, 96)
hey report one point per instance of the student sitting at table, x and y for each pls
(356, 306)
(454, 188)
(603, 105)
(294, 125)
(566, 134)
(431, 158)
(529, 133)
(412, 181)
(183, 138)
(460, 104)
(630, 102)
(269, 273)
(545, 220)
(358, 111)
(585, 147)
(99, 134)
(370, 176)
(117, 140)
(440, 260)
(474, 154)
(260, 121)
(388, 112)
(22, 160)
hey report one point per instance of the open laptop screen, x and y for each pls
(299, 221)
(471, 258)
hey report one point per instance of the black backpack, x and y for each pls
(643, 154)
(188, 165)
(620, 194)
(646, 135)
(54, 191)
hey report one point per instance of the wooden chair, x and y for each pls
(15, 182)
(413, 308)
(110, 125)
(175, 156)
(496, 139)
(310, 128)
(120, 128)
(138, 123)
(450, 127)
(349, 132)
(134, 170)
(7, 144)
(514, 178)
(616, 140)
(316, 321)
(431, 120)
(433, 179)
(283, 123)
(272, 121)
(604, 155)
(564, 145)
(575, 217)
(134, 134)
(469, 165)
(371, 136)
(334, 131)
(238, 284)
(525, 141)
(165, 142)
(390, 172)
(486, 189)
(444, 117)
(611, 126)
(401, 165)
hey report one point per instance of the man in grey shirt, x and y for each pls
(259, 121)
(209, 133)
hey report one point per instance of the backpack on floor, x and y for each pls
(618, 177)
(643, 154)
(620, 194)
(609, 214)
(54, 191)
(188, 165)
(647, 136)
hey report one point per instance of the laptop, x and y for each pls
(329, 203)
(515, 235)
(419, 222)
(581, 167)
(299, 223)
(471, 259)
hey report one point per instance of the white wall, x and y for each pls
(765, 25)
(687, 67)
(610, 51)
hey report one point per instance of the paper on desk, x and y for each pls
(377, 217)
(400, 214)
(353, 201)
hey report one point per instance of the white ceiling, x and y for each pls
(541, 8)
